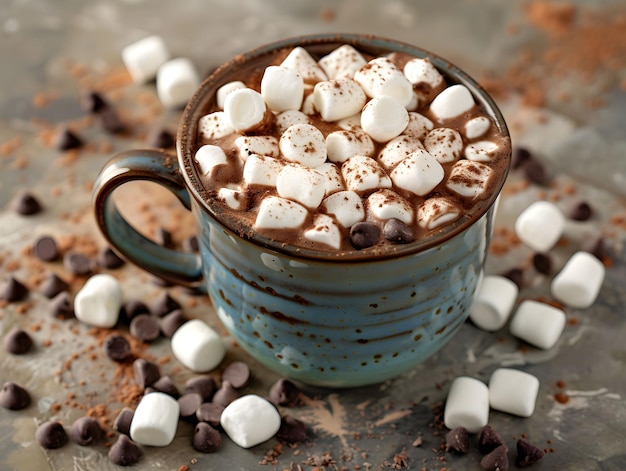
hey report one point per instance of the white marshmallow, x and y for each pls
(282, 88)
(303, 144)
(538, 323)
(469, 179)
(351, 123)
(214, 126)
(436, 212)
(144, 57)
(414, 103)
(384, 118)
(301, 61)
(341, 145)
(579, 281)
(493, 302)
(289, 117)
(338, 99)
(260, 145)
(279, 213)
(481, 151)
(476, 127)
(380, 77)
(332, 178)
(208, 157)
(422, 71)
(261, 170)
(308, 105)
(325, 231)
(224, 90)
(245, 109)
(343, 62)
(302, 185)
(387, 204)
(346, 206)
(467, 404)
(177, 81)
(452, 102)
(99, 301)
(513, 391)
(155, 420)
(363, 173)
(250, 420)
(398, 149)
(197, 346)
(540, 225)
(418, 126)
(232, 197)
(419, 173)
(444, 144)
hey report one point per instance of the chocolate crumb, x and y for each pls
(457, 439)
(13, 396)
(496, 460)
(488, 440)
(17, 341)
(51, 435)
(206, 439)
(125, 452)
(527, 453)
(27, 205)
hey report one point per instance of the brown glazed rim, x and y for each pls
(198, 105)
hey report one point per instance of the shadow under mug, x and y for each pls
(311, 316)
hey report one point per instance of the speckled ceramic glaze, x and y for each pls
(323, 320)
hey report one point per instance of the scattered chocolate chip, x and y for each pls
(165, 385)
(164, 304)
(117, 348)
(77, 263)
(85, 431)
(53, 285)
(13, 396)
(17, 341)
(92, 102)
(457, 439)
(225, 394)
(210, 413)
(520, 156)
(581, 211)
(542, 263)
(597, 248)
(237, 374)
(189, 404)
(51, 435)
(45, 249)
(496, 460)
(12, 290)
(397, 231)
(203, 385)
(123, 420)
(291, 430)
(67, 139)
(110, 120)
(488, 440)
(171, 322)
(160, 138)
(27, 205)
(125, 452)
(535, 172)
(516, 275)
(284, 393)
(527, 453)
(206, 439)
(364, 235)
(108, 259)
(145, 327)
(132, 309)
(61, 306)
(190, 244)
(164, 238)
(146, 372)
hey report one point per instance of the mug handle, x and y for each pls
(158, 167)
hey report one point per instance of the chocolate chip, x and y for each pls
(291, 430)
(27, 205)
(67, 139)
(123, 420)
(117, 348)
(51, 435)
(110, 120)
(581, 211)
(12, 290)
(210, 413)
(488, 440)
(237, 374)
(520, 156)
(284, 393)
(457, 439)
(125, 452)
(85, 431)
(190, 244)
(189, 404)
(77, 263)
(171, 322)
(145, 327)
(535, 172)
(497, 460)
(364, 235)
(225, 394)
(146, 372)
(45, 249)
(397, 231)
(165, 385)
(53, 285)
(206, 439)
(516, 275)
(108, 259)
(132, 309)
(527, 453)
(597, 248)
(164, 304)
(164, 238)
(13, 396)
(61, 306)
(203, 385)
(92, 102)
(160, 138)
(542, 263)
(17, 341)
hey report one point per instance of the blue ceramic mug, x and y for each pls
(309, 315)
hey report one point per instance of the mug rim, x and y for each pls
(196, 108)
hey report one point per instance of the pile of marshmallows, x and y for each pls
(577, 285)
(248, 420)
